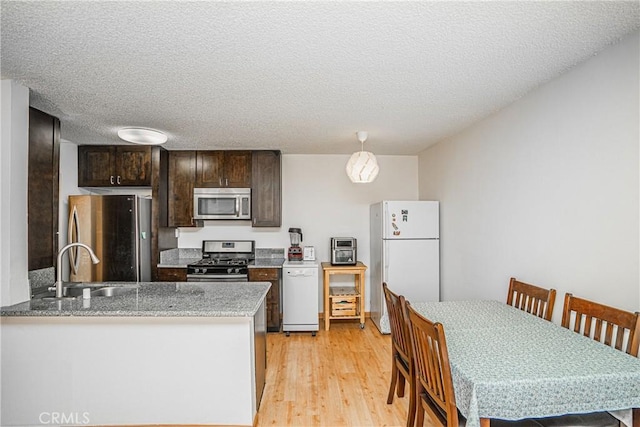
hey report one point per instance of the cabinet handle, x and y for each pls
(111, 180)
(226, 182)
(119, 180)
(220, 182)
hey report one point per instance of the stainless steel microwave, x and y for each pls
(344, 251)
(221, 203)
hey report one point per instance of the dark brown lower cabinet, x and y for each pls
(274, 276)
(169, 274)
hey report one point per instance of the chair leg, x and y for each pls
(401, 382)
(394, 379)
(419, 415)
(412, 404)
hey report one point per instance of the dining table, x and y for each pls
(511, 365)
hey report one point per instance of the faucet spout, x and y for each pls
(94, 259)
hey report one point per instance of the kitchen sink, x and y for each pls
(113, 291)
(74, 290)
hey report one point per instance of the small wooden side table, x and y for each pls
(345, 302)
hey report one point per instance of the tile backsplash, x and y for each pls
(274, 253)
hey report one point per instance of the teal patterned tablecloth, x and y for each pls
(511, 365)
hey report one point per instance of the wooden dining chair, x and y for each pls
(602, 323)
(532, 299)
(402, 367)
(434, 384)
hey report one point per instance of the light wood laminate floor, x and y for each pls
(338, 378)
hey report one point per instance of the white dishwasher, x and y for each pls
(300, 296)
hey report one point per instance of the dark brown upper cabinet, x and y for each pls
(182, 173)
(223, 169)
(114, 165)
(266, 188)
(44, 160)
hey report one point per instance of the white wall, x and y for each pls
(14, 151)
(547, 189)
(318, 197)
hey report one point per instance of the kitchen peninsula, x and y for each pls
(157, 353)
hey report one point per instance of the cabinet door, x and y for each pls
(182, 171)
(133, 166)
(96, 165)
(273, 296)
(44, 155)
(237, 169)
(210, 169)
(266, 204)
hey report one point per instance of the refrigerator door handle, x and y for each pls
(74, 260)
(386, 254)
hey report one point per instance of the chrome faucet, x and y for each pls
(58, 285)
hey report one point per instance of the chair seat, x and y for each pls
(595, 419)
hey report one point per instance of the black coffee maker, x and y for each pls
(295, 250)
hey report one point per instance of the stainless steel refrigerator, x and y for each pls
(405, 253)
(118, 229)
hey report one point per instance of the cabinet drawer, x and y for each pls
(343, 306)
(260, 274)
(172, 274)
(344, 299)
(343, 311)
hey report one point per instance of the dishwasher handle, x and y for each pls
(305, 272)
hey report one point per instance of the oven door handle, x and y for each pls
(219, 277)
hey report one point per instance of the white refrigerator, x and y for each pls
(405, 253)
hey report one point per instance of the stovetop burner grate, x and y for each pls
(223, 261)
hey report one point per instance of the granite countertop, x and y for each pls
(267, 263)
(155, 299)
(179, 257)
(178, 262)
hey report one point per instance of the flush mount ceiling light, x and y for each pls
(362, 167)
(142, 136)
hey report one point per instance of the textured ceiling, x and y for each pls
(299, 76)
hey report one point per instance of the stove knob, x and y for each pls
(229, 270)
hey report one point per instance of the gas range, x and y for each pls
(223, 261)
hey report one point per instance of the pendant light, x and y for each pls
(362, 167)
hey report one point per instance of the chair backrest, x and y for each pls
(603, 323)
(398, 323)
(532, 299)
(432, 367)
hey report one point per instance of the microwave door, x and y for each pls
(217, 207)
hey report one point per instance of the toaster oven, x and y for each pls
(344, 251)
